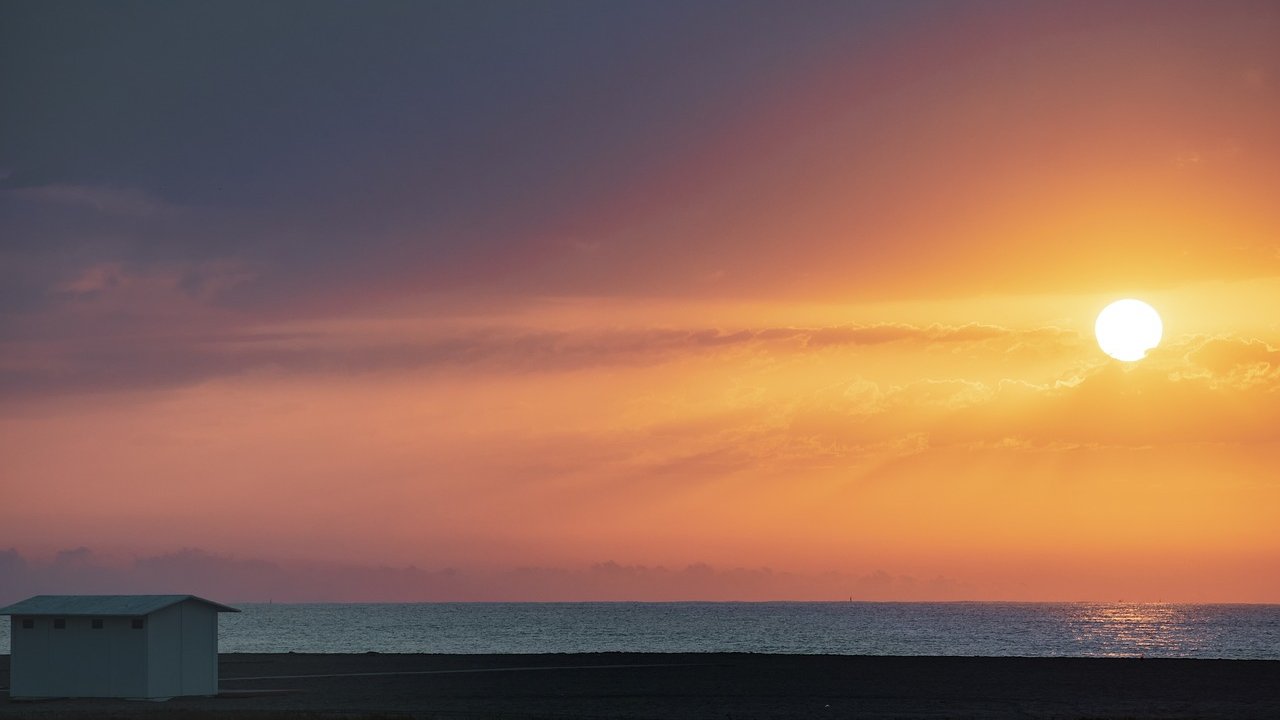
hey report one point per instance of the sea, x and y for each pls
(839, 628)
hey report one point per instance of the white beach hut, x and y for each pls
(131, 646)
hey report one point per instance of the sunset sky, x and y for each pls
(604, 300)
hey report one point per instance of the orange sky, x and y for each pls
(849, 333)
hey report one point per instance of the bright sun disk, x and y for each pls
(1128, 329)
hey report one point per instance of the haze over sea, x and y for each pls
(844, 628)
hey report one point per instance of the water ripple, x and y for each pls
(1018, 629)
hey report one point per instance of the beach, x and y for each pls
(711, 685)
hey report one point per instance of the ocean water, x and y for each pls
(853, 628)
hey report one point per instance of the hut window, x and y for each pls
(136, 624)
(96, 623)
(59, 623)
(28, 623)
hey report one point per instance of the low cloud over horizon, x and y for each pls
(197, 572)
(247, 580)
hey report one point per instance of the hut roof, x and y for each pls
(127, 605)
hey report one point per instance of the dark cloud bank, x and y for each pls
(198, 572)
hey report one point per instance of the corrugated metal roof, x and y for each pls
(133, 605)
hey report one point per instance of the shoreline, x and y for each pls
(624, 686)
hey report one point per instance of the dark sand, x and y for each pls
(708, 686)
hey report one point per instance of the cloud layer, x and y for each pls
(163, 355)
(232, 579)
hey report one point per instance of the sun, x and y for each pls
(1128, 329)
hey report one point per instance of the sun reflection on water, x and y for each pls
(1139, 629)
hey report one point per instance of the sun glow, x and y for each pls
(1128, 329)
